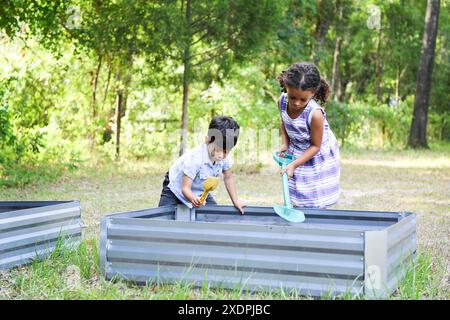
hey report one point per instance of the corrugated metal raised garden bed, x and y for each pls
(334, 252)
(31, 229)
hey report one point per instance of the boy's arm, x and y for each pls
(228, 179)
(186, 189)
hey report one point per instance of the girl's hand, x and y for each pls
(283, 148)
(289, 170)
(196, 202)
(239, 205)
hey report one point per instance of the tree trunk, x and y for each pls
(324, 19)
(344, 81)
(335, 78)
(186, 72)
(338, 84)
(184, 109)
(119, 108)
(378, 70)
(121, 97)
(94, 87)
(397, 85)
(108, 79)
(418, 132)
(94, 82)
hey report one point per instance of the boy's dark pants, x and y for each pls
(169, 198)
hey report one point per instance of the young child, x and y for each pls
(314, 175)
(184, 181)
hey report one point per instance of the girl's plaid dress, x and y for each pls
(316, 182)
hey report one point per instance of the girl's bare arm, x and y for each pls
(316, 142)
(284, 136)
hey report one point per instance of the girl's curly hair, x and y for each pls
(305, 76)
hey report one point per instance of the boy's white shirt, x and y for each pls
(197, 165)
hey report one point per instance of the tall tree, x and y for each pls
(293, 40)
(325, 13)
(114, 31)
(418, 132)
(217, 33)
(340, 26)
(119, 31)
(378, 67)
(402, 37)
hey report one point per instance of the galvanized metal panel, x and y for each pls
(402, 251)
(9, 206)
(235, 257)
(277, 278)
(26, 234)
(375, 264)
(266, 215)
(319, 213)
(39, 251)
(288, 229)
(239, 235)
(8, 244)
(42, 244)
(387, 253)
(49, 216)
(218, 246)
(104, 226)
(203, 250)
(272, 255)
(36, 228)
(348, 224)
(17, 209)
(235, 279)
(401, 230)
(402, 245)
(159, 212)
(336, 219)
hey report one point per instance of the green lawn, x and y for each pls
(417, 181)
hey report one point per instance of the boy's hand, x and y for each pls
(196, 202)
(239, 205)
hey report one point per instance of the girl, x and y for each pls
(305, 133)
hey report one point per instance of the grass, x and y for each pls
(22, 175)
(73, 273)
(423, 279)
(408, 180)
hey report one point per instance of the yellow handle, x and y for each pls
(203, 197)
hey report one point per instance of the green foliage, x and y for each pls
(61, 76)
(365, 125)
(421, 279)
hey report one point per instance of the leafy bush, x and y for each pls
(370, 126)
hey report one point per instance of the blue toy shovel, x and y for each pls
(287, 212)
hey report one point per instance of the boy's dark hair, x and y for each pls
(224, 132)
(305, 76)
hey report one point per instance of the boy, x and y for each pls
(184, 181)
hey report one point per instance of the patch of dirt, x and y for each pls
(72, 277)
